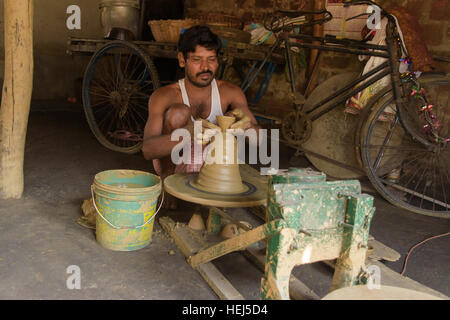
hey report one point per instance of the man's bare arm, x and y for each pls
(157, 145)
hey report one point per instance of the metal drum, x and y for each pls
(122, 14)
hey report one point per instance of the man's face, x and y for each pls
(200, 66)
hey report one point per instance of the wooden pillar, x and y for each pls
(16, 96)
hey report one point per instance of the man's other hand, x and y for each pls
(243, 121)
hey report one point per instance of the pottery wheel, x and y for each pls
(333, 134)
(182, 186)
(362, 292)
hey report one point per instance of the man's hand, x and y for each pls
(209, 130)
(243, 121)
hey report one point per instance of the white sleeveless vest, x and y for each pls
(216, 107)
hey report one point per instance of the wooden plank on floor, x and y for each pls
(216, 280)
(391, 278)
(382, 252)
(297, 289)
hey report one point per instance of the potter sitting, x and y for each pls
(198, 96)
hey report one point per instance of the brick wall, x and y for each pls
(248, 10)
(434, 18)
(339, 26)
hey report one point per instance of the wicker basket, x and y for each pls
(231, 34)
(170, 30)
(218, 20)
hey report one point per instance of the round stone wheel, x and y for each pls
(333, 134)
(182, 186)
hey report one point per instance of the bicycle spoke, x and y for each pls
(138, 113)
(140, 78)
(106, 75)
(133, 118)
(434, 185)
(425, 181)
(412, 192)
(103, 83)
(128, 63)
(140, 106)
(126, 142)
(97, 104)
(136, 65)
(111, 114)
(101, 108)
(113, 73)
(418, 181)
(387, 139)
(99, 95)
(411, 179)
(147, 83)
(442, 182)
(97, 86)
(125, 72)
(117, 68)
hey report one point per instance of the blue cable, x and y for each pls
(265, 82)
(248, 76)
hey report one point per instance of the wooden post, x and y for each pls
(17, 88)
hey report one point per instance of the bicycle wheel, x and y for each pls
(117, 85)
(405, 171)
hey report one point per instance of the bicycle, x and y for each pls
(402, 138)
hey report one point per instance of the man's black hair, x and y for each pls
(198, 35)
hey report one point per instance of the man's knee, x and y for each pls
(176, 116)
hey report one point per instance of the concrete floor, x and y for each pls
(40, 238)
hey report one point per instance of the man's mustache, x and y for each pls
(205, 72)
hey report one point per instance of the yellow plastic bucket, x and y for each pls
(125, 201)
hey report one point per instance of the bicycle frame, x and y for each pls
(342, 45)
(354, 47)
